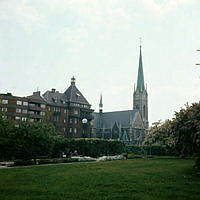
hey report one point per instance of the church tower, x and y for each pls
(140, 95)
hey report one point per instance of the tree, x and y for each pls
(160, 133)
(186, 130)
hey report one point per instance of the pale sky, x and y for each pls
(43, 43)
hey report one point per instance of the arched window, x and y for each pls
(144, 110)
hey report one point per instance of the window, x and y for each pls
(70, 130)
(17, 118)
(24, 111)
(64, 120)
(32, 104)
(75, 121)
(75, 111)
(4, 101)
(57, 109)
(24, 119)
(43, 106)
(42, 113)
(18, 110)
(4, 109)
(19, 102)
(71, 121)
(25, 103)
(75, 130)
(31, 112)
(64, 129)
(65, 111)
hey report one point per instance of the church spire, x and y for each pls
(140, 78)
(101, 105)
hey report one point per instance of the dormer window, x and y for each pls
(77, 94)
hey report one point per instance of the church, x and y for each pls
(130, 126)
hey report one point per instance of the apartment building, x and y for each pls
(31, 108)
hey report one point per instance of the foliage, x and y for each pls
(186, 130)
(181, 134)
(34, 140)
(160, 133)
(26, 141)
(156, 150)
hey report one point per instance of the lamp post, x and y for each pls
(84, 122)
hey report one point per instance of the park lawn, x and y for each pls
(142, 179)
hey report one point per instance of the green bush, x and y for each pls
(154, 150)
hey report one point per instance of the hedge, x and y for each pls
(155, 150)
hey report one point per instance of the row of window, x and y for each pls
(57, 109)
(24, 103)
(21, 118)
(71, 130)
(4, 109)
(24, 119)
(18, 110)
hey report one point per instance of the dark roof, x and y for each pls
(36, 97)
(53, 97)
(122, 118)
(72, 94)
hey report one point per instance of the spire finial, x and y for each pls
(73, 80)
(140, 42)
(101, 104)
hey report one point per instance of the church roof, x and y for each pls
(122, 118)
(140, 78)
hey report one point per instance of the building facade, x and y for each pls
(130, 126)
(69, 112)
(31, 108)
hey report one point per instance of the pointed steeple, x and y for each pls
(101, 104)
(140, 78)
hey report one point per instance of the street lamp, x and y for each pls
(84, 122)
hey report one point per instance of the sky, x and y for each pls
(43, 43)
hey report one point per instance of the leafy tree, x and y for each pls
(160, 133)
(186, 130)
(6, 133)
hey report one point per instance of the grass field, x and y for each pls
(142, 179)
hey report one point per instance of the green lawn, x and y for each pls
(142, 179)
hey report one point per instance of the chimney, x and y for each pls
(53, 90)
(36, 93)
